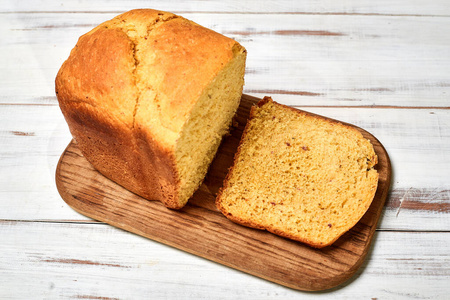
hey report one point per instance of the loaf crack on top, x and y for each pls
(138, 35)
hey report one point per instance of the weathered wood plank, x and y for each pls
(34, 137)
(332, 60)
(48, 260)
(352, 7)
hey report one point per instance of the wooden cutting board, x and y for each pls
(199, 228)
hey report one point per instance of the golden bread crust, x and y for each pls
(184, 53)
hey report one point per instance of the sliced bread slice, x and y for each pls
(299, 175)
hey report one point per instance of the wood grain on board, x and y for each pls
(199, 228)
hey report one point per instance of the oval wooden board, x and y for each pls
(199, 228)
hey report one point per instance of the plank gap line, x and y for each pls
(239, 13)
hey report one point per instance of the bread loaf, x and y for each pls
(148, 96)
(299, 175)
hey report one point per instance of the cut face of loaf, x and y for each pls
(148, 96)
(299, 175)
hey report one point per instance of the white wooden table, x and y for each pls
(381, 65)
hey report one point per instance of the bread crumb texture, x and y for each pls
(148, 96)
(299, 175)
